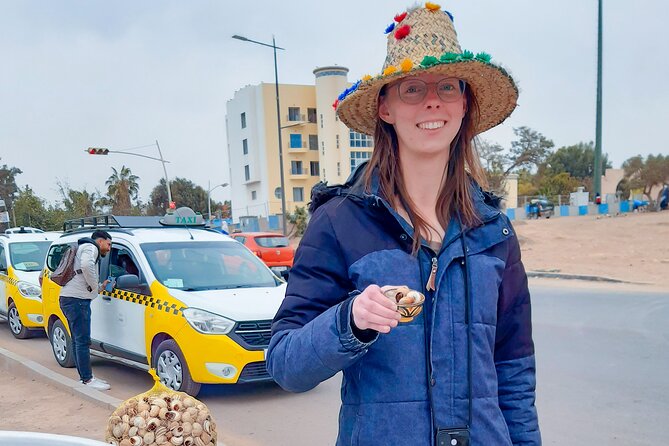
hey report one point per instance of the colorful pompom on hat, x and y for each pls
(423, 40)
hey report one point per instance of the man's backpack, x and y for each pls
(65, 270)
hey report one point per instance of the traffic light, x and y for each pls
(97, 151)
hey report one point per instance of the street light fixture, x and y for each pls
(209, 196)
(278, 123)
(106, 151)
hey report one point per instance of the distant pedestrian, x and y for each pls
(664, 198)
(75, 302)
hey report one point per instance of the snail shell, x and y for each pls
(186, 417)
(149, 438)
(159, 402)
(136, 441)
(173, 415)
(203, 415)
(117, 431)
(178, 431)
(188, 441)
(139, 422)
(161, 439)
(206, 438)
(187, 426)
(175, 405)
(125, 442)
(206, 425)
(152, 424)
(133, 431)
(162, 413)
(406, 300)
(198, 442)
(177, 440)
(189, 402)
(161, 431)
(197, 429)
(153, 412)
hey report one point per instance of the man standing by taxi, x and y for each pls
(75, 301)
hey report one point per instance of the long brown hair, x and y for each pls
(454, 194)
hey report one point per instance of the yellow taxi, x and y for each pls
(22, 255)
(191, 302)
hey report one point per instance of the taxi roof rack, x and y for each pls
(109, 221)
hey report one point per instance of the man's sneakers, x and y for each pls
(97, 384)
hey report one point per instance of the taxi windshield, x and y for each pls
(28, 256)
(196, 266)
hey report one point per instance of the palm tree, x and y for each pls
(122, 186)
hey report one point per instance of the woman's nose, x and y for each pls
(432, 99)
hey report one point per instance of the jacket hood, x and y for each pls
(486, 203)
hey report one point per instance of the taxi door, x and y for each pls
(4, 277)
(123, 328)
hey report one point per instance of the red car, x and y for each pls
(273, 249)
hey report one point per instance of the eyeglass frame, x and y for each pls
(462, 83)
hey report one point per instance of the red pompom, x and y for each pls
(335, 103)
(402, 32)
(400, 17)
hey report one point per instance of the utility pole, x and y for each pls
(598, 136)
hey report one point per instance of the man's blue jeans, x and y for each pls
(78, 314)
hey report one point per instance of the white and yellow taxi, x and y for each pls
(191, 302)
(22, 257)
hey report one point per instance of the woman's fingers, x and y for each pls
(372, 310)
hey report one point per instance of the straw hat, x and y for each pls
(423, 40)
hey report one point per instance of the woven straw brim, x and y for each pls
(494, 89)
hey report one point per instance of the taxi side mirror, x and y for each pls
(130, 282)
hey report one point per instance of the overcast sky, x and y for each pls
(122, 74)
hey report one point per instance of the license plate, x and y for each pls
(279, 268)
(265, 354)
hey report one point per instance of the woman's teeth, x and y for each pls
(431, 125)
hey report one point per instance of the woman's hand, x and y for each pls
(373, 310)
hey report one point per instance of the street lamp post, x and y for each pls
(598, 128)
(106, 151)
(278, 123)
(209, 189)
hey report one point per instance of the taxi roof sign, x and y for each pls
(183, 216)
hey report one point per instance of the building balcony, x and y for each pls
(299, 174)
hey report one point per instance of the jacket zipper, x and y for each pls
(431, 281)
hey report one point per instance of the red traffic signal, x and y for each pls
(97, 151)
(173, 205)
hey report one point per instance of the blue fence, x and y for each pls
(571, 211)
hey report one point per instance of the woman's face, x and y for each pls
(428, 127)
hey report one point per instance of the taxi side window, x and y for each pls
(122, 262)
(56, 253)
(240, 239)
(3, 260)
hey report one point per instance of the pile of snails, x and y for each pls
(162, 419)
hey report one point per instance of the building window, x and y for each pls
(243, 120)
(358, 158)
(245, 146)
(338, 168)
(277, 192)
(296, 167)
(313, 142)
(337, 138)
(247, 173)
(314, 167)
(321, 120)
(298, 194)
(360, 140)
(311, 115)
(253, 195)
(295, 141)
(323, 147)
(294, 114)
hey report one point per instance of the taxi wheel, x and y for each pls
(17, 328)
(61, 344)
(172, 369)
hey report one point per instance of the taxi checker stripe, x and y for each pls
(8, 279)
(142, 299)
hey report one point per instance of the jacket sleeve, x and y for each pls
(514, 353)
(89, 266)
(312, 338)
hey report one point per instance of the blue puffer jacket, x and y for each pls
(398, 388)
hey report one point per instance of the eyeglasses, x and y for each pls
(413, 91)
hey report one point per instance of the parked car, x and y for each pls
(541, 207)
(21, 260)
(190, 302)
(273, 249)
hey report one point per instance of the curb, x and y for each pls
(551, 275)
(17, 364)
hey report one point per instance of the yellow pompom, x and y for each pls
(366, 77)
(432, 6)
(406, 65)
(390, 70)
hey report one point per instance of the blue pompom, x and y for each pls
(450, 16)
(390, 28)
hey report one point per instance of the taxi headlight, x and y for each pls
(206, 322)
(29, 290)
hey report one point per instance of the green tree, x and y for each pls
(558, 184)
(647, 173)
(8, 187)
(30, 210)
(299, 221)
(529, 150)
(80, 203)
(577, 160)
(122, 188)
(184, 193)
